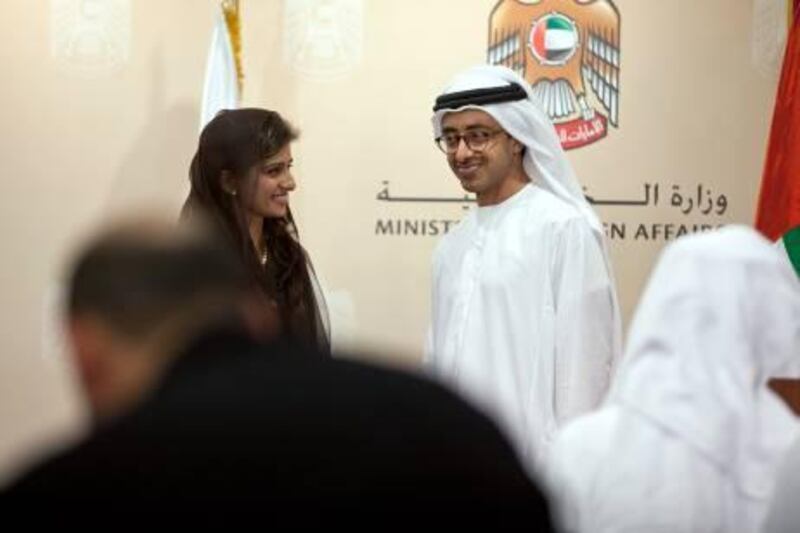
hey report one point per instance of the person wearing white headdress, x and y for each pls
(690, 438)
(525, 320)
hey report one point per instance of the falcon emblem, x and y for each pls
(561, 47)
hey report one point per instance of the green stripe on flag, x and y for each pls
(791, 241)
(558, 23)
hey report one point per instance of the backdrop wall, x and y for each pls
(100, 110)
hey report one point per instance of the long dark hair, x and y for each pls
(235, 141)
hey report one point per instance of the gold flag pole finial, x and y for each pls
(230, 9)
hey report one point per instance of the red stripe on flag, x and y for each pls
(779, 200)
(538, 38)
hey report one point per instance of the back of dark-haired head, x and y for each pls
(137, 276)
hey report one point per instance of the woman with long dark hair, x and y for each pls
(241, 178)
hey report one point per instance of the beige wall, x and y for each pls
(80, 146)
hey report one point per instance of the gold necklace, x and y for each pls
(264, 255)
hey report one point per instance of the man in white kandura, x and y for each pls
(525, 321)
(691, 438)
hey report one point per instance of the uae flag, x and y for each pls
(778, 214)
(553, 38)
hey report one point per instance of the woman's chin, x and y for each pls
(277, 212)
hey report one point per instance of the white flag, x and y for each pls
(220, 90)
(770, 29)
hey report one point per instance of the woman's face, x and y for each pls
(264, 191)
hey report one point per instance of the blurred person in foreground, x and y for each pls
(691, 437)
(191, 402)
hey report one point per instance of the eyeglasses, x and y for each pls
(476, 140)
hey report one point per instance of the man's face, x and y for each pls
(482, 170)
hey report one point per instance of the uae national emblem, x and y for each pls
(322, 38)
(560, 47)
(90, 37)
